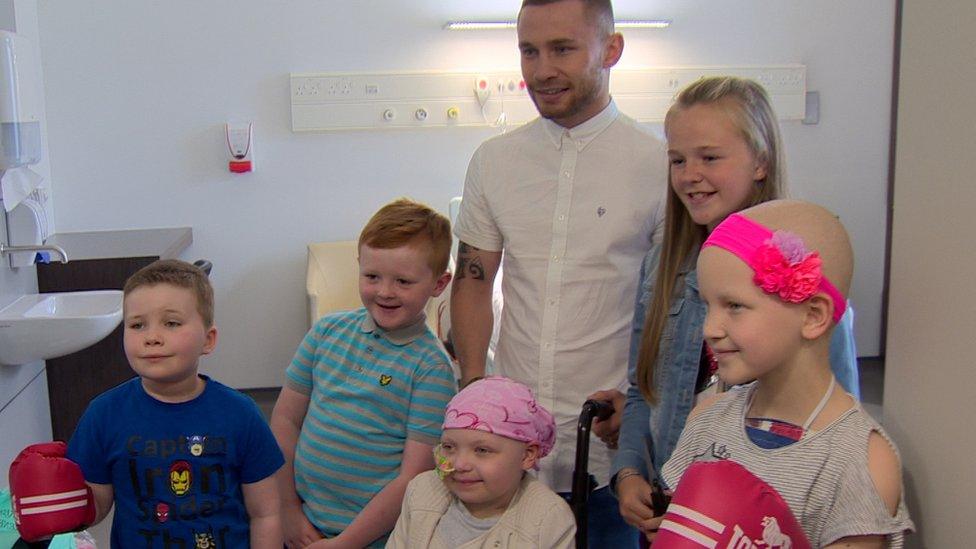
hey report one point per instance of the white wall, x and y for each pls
(928, 398)
(137, 93)
(842, 162)
(24, 414)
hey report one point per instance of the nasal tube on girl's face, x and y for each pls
(442, 464)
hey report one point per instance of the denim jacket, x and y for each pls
(649, 433)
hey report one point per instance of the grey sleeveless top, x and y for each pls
(823, 477)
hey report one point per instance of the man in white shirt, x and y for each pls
(573, 199)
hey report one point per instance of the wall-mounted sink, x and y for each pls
(42, 326)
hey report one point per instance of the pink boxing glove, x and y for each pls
(48, 492)
(721, 504)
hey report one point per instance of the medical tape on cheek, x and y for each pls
(781, 263)
(443, 465)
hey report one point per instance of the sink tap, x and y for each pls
(5, 249)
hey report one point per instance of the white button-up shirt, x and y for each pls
(574, 211)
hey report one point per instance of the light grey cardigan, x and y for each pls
(536, 518)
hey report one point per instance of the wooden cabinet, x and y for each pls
(98, 261)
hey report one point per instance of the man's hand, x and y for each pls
(608, 429)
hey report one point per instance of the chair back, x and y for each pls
(332, 278)
(332, 284)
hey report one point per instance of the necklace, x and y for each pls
(784, 430)
(820, 406)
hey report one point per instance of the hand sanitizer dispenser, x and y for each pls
(20, 126)
(20, 145)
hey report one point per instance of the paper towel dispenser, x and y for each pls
(20, 102)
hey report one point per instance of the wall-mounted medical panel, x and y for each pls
(364, 101)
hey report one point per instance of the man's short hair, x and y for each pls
(406, 222)
(600, 12)
(180, 274)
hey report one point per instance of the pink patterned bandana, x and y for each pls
(782, 264)
(504, 407)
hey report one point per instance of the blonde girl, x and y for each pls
(725, 155)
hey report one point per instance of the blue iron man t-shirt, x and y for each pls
(176, 469)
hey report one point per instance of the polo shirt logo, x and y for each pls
(385, 380)
(600, 211)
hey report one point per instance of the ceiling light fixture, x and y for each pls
(497, 25)
(478, 25)
(642, 23)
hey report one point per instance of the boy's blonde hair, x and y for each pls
(180, 274)
(750, 110)
(405, 222)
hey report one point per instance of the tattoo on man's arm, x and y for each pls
(469, 263)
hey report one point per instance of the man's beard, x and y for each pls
(585, 92)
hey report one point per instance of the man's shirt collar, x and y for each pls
(584, 133)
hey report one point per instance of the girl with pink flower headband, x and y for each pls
(481, 493)
(725, 155)
(783, 458)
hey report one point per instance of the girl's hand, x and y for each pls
(634, 494)
(649, 528)
(298, 531)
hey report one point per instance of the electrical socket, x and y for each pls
(308, 88)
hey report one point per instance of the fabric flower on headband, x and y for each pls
(783, 266)
(781, 262)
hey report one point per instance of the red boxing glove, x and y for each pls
(48, 492)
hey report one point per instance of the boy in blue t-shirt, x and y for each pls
(364, 396)
(188, 462)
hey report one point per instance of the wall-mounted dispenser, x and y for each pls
(20, 145)
(20, 126)
(240, 145)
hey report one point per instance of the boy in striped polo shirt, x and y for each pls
(364, 396)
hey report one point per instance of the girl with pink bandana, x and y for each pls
(481, 494)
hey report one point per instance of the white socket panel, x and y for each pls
(363, 101)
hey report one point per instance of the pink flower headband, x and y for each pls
(782, 264)
(500, 406)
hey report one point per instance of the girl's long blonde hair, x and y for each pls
(748, 107)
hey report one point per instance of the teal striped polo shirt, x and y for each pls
(370, 390)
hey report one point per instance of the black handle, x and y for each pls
(583, 483)
(204, 265)
(598, 409)
(659, 500)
